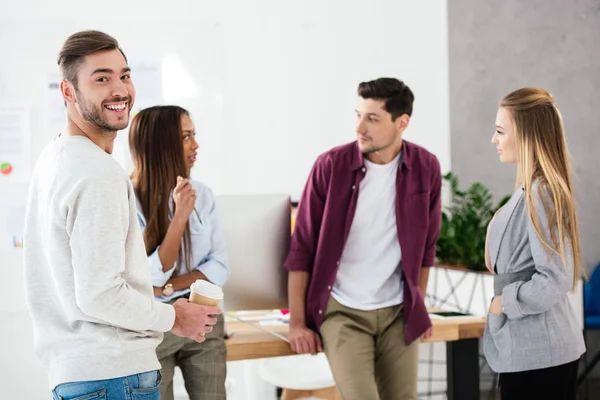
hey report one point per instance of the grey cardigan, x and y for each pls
(537, 328)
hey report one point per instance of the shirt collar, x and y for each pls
(358, 158)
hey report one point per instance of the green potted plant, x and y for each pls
(461, 244)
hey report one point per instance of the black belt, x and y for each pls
(502, 280)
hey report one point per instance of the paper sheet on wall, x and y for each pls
(146, 74)
(56, 112)
(14, 144)
(12, 218)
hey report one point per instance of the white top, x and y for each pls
(369, 276)
(208, 253)
(87, 279)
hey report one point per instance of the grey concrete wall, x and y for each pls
(497, 46)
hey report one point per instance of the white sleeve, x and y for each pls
(98, 226)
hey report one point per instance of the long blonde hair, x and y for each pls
(543, 157)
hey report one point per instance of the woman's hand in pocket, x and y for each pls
(496, 306)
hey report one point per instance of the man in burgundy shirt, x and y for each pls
(364, 239)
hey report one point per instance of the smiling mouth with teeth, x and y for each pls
(116, 107)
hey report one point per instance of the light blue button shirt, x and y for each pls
(208, 247)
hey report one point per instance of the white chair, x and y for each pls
(300, 376)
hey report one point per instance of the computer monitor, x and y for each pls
(256, 229)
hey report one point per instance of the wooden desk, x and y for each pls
(461, 336)
(248, 342)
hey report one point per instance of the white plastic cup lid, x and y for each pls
(207, 289)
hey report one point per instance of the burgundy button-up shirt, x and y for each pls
(325, 214)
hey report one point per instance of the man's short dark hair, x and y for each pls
(398, 97)
(78, 46)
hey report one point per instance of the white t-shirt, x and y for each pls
(87, 278)
(369, 276)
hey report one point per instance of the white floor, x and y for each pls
(243, 383)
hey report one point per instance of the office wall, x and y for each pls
(497, 46)
(270, 85)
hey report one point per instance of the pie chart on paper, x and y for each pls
(6, 168)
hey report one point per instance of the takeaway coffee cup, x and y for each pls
(205, 293)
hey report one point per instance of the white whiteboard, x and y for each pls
(270, 84)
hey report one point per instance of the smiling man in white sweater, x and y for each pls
(96, 323)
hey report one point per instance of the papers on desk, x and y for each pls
(259, 320)
(261, 317)
(450, 315)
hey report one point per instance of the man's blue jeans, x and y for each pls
(142, 386)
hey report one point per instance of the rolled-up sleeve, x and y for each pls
(308, 218)
(158, 277)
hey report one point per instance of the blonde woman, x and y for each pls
(532, 337)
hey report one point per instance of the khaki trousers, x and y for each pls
(368, 355)
(203, 365)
